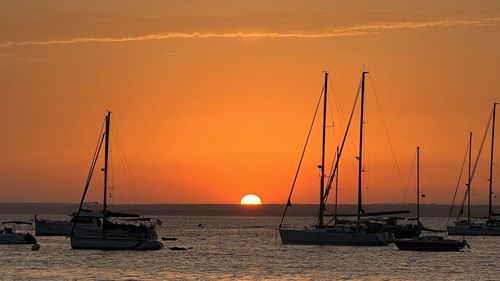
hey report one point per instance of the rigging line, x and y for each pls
(387, 132)
(476, 161)
(100, 141)
(344, 121)
(332, 121)
(458, 185)
(330, 180)
(288, 202)
(481, 148)
(421, 173)
(111, 179)
(331, 176)
(126, 167)
(410, 177)
(367, 148)
(329, 100)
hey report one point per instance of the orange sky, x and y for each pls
(212, 99)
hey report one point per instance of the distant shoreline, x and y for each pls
(426, 210)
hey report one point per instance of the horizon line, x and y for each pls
(238, 204)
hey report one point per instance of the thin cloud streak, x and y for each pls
(179, 35)
(357, 30)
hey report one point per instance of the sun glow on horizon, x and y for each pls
(250, 199)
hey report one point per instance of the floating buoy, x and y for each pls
(35, 247)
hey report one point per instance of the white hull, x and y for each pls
(101, 243)
(474, 229)
(335, 236)
(15, 238)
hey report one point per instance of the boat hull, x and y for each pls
(429, 246)
(17, 238)
(474, 230)
(114, 244)
(332, 237)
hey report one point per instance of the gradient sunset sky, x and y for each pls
(212, 99)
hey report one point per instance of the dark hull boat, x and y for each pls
(8, 235)
(430, 244)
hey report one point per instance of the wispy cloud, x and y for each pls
(355, 30)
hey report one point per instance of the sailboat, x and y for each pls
(433, 243)
(491, 226)
(355, 233)
(111, 233)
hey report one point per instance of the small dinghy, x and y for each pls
(431, 243)
(8, 235)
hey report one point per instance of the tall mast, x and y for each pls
(336, 190)
(418, 183)
(322, 180)
(106, 154)
(469, 178)
(360, 158)
(490, 209)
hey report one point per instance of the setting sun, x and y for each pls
(250, 199)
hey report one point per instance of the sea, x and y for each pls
(245, 248)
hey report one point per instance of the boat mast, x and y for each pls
(106, 156)
(336, 190)
(418, 183)
(322, 180)
(360, 158)
(469, 178)
(490, 209)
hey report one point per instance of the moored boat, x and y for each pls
(112, 231)
(430, 243)
(484, 227)
(353, 233)
(359, 234)
(9, 235)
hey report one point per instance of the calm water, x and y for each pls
(246, 248)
